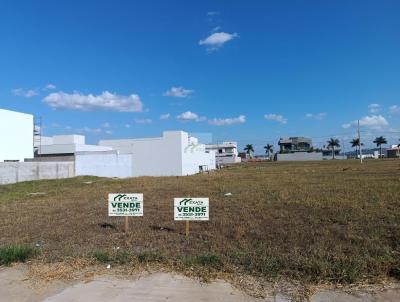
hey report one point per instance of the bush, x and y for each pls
(15, 253)
(150, 257)
(213, 261)
(101, 256)
(122, 257)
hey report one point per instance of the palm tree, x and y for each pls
(355, 143)
(249, 149)
(379, 141)
(269, 149)
(332, 143)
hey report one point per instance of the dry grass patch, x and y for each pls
(330, 221)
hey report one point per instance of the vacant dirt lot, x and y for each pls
(331, 221)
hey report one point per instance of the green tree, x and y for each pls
(332, 144)
(355, 143)
(269, 149)
(249, 149)
(379, 141)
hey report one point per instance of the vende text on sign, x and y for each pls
(125, 204)
(191, 208)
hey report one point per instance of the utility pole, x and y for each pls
(344, 150)
(359, 140)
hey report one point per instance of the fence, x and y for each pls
(24, 171)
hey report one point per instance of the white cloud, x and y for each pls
(89, 130)
(373, 122)
(105, 101)
(50, 87)
(190, 116)
(374, 108)
(144, 121)
(165, 116)
(178, 92)
(316, 116)
(212, 13)
(394, 109)
(275, 117)
(215, 29)
(241, 119)
(216, 40)
(25, 93)
(106, 125)
(108, 132)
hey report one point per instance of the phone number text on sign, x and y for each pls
(191, 208)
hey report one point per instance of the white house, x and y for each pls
(64, 145)
(225, 153)
(16, 134)
(87, 159)
(173, 154)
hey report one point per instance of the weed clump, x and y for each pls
(15, 253)
(205, 260)
(150, 257)
(101, 256)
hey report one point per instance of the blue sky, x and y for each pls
(250, 71)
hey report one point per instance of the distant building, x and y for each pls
(16, 134)
(295, 144)
(225, 153)
(244, 156)
(393, 152)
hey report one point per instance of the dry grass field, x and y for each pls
(331, 221)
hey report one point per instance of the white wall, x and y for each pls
(159, 156)
(103, 164)
(16, 135)
(67, 144)
(70, 148)
(168, 155)
(68, 139)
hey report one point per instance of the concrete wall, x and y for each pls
(51, 158)
(159, 156)
(25, 171)
(227, 160)
(299, 156)
(173, 154)
(103, 164)
(16, 135)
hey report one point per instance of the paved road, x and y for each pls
(151, 288)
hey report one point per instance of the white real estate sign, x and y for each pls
(191, 208)
(125, 204)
